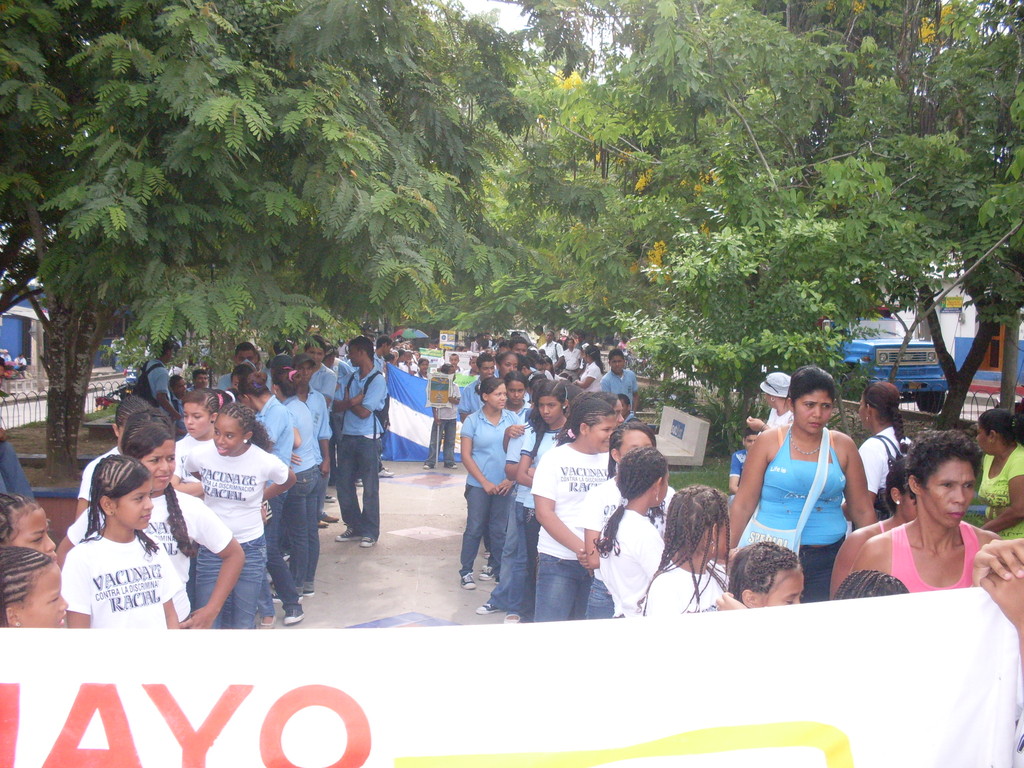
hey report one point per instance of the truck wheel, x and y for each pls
(930, 402)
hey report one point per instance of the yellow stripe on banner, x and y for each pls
(832, 742)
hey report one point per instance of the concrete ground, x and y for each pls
(413, 568)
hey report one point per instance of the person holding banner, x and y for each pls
(778, 477)
(936, 551)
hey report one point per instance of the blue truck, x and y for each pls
(919, 376)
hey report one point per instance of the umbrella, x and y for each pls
(414, 333)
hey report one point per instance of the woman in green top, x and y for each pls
(1000, 435)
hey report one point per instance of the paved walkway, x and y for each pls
(414, 567)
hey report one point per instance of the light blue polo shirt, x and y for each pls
(469, 400)
(324, 381)
(279, 425)
(375, 393)
(621, 385)
(488, 445)
(512, 456)
(309, 449)
(159, 378)
(320, 412)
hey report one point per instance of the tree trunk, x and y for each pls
(1011, 356)
(72, 339)
(959, 380)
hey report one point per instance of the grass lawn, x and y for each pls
(715, 473)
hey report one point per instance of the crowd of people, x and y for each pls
(208, 510)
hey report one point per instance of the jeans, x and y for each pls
(359, 458)
(301, 524)
(508, 595)
(239, 610)
(817, 564)
(442, 430)
(563, 588)
(484, 512)
(314, 533)
(284, 585)
(12, 478)
(600, 604)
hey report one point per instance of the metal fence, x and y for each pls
(975, 405)
(20, 408)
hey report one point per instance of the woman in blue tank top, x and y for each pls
(781, 468)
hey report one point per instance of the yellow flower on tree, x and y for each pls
(643, 180)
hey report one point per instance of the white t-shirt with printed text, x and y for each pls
(233, 485)
(119, 586)
(564, 475)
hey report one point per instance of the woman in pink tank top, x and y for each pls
(935, 551)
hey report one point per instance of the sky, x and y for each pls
(509, 17)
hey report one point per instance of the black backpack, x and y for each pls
(881, 508)
(142, 387)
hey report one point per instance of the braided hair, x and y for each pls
(246, 418)
(210, 399)
(641, 468)
(696, 518)
(756, 567)
(589, 408)
(19, 569)
(115, 477)
(896, 478)
(884, 397)
(12, 507)
(129, 406)
(140, 441)
(869, 584)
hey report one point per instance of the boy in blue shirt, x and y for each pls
(363, 393)
(739, 459)
(620, 380)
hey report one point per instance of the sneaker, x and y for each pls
(449, 466)
(512, 618)
(486, 610)
(348, 535)
(367, 542)
(486, 573)
(267, 622)
(293, 616)
(277, 599)
(428, 466)
(329, 500)
(359, 482)
(308, 590)
(385, 472)
(467, 581)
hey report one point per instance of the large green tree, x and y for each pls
(245, 165)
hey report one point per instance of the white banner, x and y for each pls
(915, 681)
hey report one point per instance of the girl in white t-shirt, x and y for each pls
(238, 474)
(630, 546)
(200, 407)
(602, 500)
(560, 484)
(691, 575)
(118, 577)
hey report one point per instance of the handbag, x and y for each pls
(790, 538)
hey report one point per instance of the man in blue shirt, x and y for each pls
(245, 352)
(380, 359)
(620, 380)
(363, 393)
